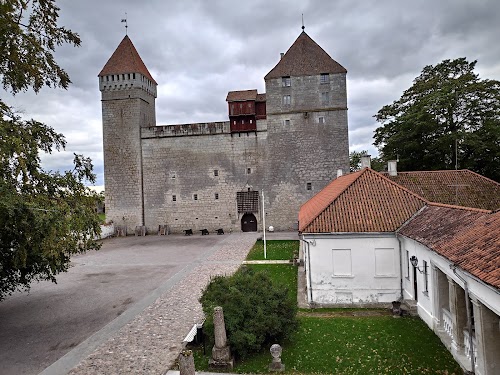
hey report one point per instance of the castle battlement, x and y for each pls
(126, 81)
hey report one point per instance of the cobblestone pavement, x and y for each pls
(150, 343)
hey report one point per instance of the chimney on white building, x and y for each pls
(366, 161)
(392, 167)
(282, 54)
(339, 173)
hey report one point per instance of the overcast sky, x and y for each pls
(197, 51)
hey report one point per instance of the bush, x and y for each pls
(257, 311)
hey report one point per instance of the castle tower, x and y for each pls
(128, 104)
(306, 101)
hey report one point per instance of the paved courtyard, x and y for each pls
(123, 309)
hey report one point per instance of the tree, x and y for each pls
(448, 117)
(355, 161)
(45, 216)
(258, 311)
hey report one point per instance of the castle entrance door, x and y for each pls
(248, 223)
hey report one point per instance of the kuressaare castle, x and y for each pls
(288, 142)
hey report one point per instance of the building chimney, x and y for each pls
(392, 167)
(339, 173)
(281, 55)
(366, 161)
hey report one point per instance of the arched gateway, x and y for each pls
(248, 223)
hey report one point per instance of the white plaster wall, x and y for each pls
(343, 269)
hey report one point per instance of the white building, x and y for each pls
(359, 235)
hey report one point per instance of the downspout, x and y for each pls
(469, 318)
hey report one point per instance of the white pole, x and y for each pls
(264, 225)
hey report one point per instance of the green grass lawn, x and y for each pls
(275, 249)
(285, 274)
(357, 345)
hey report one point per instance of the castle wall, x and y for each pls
(182, 159)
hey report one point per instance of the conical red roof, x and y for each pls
(305, 57)
(125, 59)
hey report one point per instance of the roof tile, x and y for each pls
(241, 95)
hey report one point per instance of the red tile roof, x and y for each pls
(125, 59)
(470, 238)
(303, 58)
(242, 95)
(461, 188)
(363, 201)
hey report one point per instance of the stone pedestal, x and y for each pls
(276, 365)
(186, 363)
(221, 353)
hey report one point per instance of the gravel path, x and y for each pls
(150, 343)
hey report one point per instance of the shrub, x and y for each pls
(257, 311)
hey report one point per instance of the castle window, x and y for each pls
(107, 78)
(426, 278)
(133, 75)
(286, 122)
(321, 120)
(123, 76)
(174, 198)
(216, 172)
(286, 81)
(325, 97)
(324, 78)
(128, 76)
(249, 170)
(241, 106)
(287, 99)
(234, 122)
(112, 77)
(309, 186)
(251, 121)
(195, 197)
(216, 195)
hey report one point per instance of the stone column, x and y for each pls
(440, 296)
(221, 353)
(186, 363)
(458, 314)
(487, 330)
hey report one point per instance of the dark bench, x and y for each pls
(220, 231)
(204, 231)
(188, 232)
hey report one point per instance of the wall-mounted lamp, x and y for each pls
(414, 263)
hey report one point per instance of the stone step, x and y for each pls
(411, 306)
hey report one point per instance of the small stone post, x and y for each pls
(276, 364)
(221, 353)
(186, 363)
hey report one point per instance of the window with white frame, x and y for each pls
(321, 120)
(324, 78)
(286, 81)
(287, 99)
(426, 277)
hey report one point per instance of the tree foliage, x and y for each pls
(447, 108)
(45, 216)
(257, 311)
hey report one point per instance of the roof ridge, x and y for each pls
(444, 205)
(401, 186)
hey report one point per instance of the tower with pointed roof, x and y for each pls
(307, 135)
(128, 105)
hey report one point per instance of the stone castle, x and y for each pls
(288, 143)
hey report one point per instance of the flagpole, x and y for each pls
(264, 225)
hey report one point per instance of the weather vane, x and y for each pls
(125, 20)
(303, 27)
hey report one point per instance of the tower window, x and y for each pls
(286, 122)
(287, 99)
(195, 197)
(174, 198)
(286, 81)
(321, 120)
(216, 196)
(325, 97)
(324, 78)
(309, 186)
(216, 172)
(249, 170)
